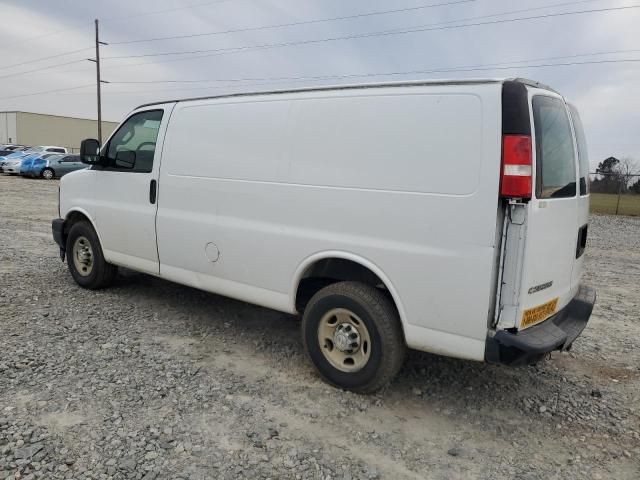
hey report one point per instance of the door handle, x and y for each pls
(152, 191)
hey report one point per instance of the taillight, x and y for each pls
(515, 180)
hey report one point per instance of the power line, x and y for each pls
(466, 68)
(481, 67)
(157, 12)
(50, 34)
(303, 79)
(46, 58)
(427, 25)
(302, 22)
(222, 51)
(111, 19)
(48, 91)
(263, 27)
(26, 72)
(470, 68)
(443, 69)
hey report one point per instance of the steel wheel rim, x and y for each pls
(82, 256)
(47, 174)
(344, 340)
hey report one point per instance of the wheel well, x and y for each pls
(332, 270)
(71, 220)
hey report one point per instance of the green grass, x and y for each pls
(606, 203)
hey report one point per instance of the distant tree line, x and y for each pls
(615, 175)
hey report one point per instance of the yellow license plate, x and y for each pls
(538, 314)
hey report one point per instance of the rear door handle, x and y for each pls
(152, 191)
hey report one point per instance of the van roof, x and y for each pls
(401, 83)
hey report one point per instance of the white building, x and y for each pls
(27, 128)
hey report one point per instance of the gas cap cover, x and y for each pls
(212, 252)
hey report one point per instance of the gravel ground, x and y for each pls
(152, 380)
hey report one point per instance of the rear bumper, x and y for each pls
(57, 229)
(556, 333)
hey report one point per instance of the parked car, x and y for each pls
(448, 217)
(53, 149)
(9, 149)
(4, 161)
(13, 163)
(28, 162)
(13, 155)
(31, 150)
(54, 166)
(16, 165)
(11, 166)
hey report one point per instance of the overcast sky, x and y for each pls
(606, 94)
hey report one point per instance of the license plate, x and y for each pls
(534, 315)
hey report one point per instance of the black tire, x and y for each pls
(46, 175)
(381, 319)
(102, 273)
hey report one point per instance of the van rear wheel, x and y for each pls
(352, 334)
(85, 259)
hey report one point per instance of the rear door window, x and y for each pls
(583, 156)
(555, 161)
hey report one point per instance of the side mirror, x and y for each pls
(90, 151)
(125, 159)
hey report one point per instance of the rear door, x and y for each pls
(552, 220)
(62, 167)
(75, 163)
(583, 194)
(66, 164)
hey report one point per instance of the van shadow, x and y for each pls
(459, 383)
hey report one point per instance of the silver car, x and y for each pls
(55, 166)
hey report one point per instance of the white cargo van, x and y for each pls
(448, 217)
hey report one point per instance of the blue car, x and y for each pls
(28, 162)
(8, 163)
(12, 156)
(53, 166)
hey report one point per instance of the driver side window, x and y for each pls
(132, 147)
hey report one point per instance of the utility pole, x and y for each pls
(98, 80)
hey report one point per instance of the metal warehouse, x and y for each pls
(27, 128)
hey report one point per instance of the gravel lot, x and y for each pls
(154, 380)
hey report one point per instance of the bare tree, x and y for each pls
(626, 170)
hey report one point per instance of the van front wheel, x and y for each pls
(85, 259)
(352, 334)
